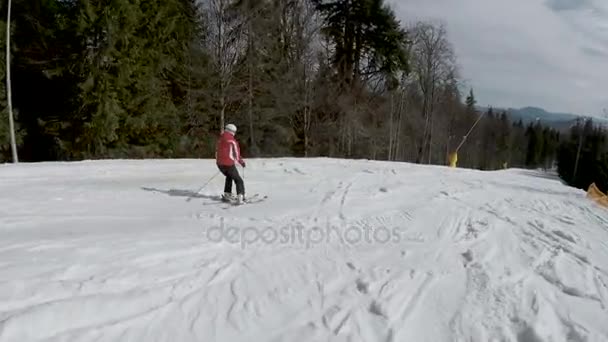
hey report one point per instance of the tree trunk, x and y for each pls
(250, 110)
(306, 118)
(218, 57)
(431, 112)
(250, 90)
(424, 139)
(431, 139)
(390, 136)
(399, 124)
(222, 113)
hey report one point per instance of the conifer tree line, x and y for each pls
(337, 78)
(582, 158)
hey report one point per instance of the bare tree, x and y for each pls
(302, 118)
(251, 13)
(433, 63)
(280, 69)
(398, 102)
(305, 31)
(225, 37)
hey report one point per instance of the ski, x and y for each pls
(215, 200)
(255, 198)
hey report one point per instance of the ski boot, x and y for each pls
(227, 197)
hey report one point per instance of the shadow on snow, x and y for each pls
(182, 193)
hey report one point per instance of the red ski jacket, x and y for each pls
(227, 150)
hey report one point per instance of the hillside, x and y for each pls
(559, 121)
(529, 114)
(339, 251)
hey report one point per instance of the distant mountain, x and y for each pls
(559, 121)
(529, 114)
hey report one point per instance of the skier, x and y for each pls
(227, 155)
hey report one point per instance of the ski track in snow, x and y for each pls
(361, 251)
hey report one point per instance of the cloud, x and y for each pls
(565, 5)
(595, 52)
(547, 53)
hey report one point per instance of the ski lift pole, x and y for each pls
(11, 120)
(453, 157)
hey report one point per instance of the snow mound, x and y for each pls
(341, 250)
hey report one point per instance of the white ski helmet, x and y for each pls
(231, 128)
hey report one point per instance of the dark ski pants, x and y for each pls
(232, 174)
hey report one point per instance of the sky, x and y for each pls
(551, 54)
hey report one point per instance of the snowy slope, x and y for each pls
(340, 251)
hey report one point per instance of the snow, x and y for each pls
(342, 250)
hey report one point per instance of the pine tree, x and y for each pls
(549, 147)
(367, 37)
(488, 141)
(4, 126)
(471, 102)
(504, 143)
(535, 145)
(582, 158)
(132, 55)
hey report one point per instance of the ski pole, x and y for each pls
(202, 187)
